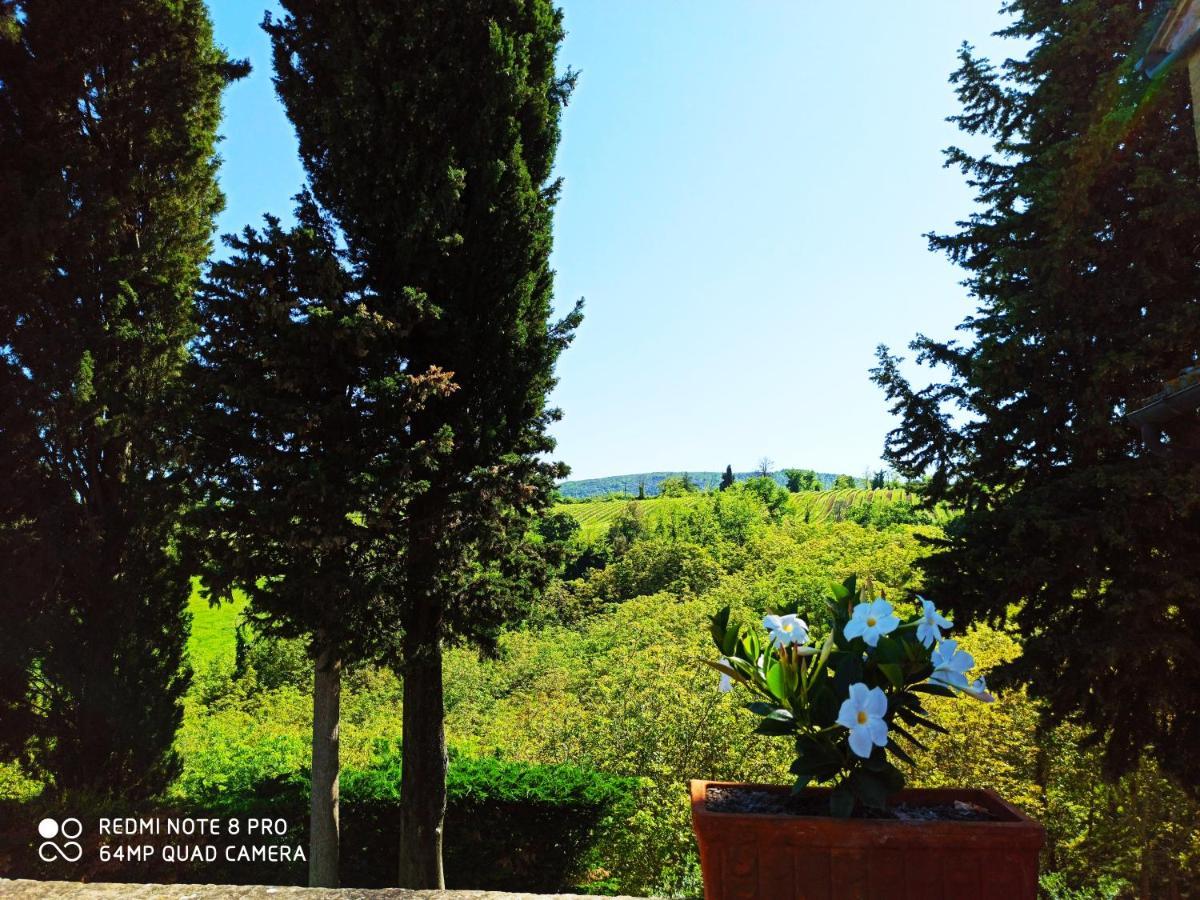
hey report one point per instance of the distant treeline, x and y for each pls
(586, 488)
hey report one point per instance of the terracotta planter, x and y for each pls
(783, 857)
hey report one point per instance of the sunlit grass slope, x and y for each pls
(213, 628)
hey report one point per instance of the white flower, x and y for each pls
(871, 620)
(929, 630)
(789, 629)
(950, 665)
(726, 684)
(979, 691)
(862, 712)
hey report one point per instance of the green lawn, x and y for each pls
(213, 628)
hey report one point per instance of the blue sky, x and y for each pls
(747, 183)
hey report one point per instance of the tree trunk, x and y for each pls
(326, 769)
(423, 776)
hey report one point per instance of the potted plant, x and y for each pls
(844, 702)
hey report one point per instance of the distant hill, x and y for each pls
(584, 488)
(809, 506)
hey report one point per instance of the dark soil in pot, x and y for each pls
(765, 802)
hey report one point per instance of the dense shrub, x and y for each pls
(652, 567)
(509, 826)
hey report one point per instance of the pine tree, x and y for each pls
(108, 127)
(1081, 261)
(727, 478)
(428, 131)
(301, 393)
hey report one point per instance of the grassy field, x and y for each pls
(826, 506)
(213, 629)
(596, 515)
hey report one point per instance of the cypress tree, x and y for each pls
(428, 131)
(1082, 264)
(108, 127)
(727, 478)
(301, 395)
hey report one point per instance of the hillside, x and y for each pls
(585, 488)
(811, 506)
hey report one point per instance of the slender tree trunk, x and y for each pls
(423, 777)
(326, 769)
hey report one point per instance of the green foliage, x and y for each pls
(814, 507)
(676, 486)
(510, 825)
(652, 567)
(769, 493)
(1080, 258)
(108, 131)
(845, 483)
(294, 357)
(886, 514)
(1053, 886)
(802, 480)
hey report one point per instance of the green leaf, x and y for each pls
(888, 650)
(907, 736)
(847, 670)
(721, 667)
(841, 801)
(816, 757)
(823, 704)
(896, 750)
(760, 708)
(918, 675)
(913, 719)
(718, 628)
(750, 644)
(869, 788)
(779, 722)
(892, 777)
(778, 681)
(893, 673)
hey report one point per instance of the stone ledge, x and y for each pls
(102, 890)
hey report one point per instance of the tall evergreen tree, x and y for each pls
(1082, 264)
(428, 131)
(727, 478)
(108, 127)
(302, 398)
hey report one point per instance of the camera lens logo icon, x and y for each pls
(68, 830)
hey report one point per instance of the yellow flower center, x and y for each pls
(787, 627)
(870, 621)
(862, 717)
